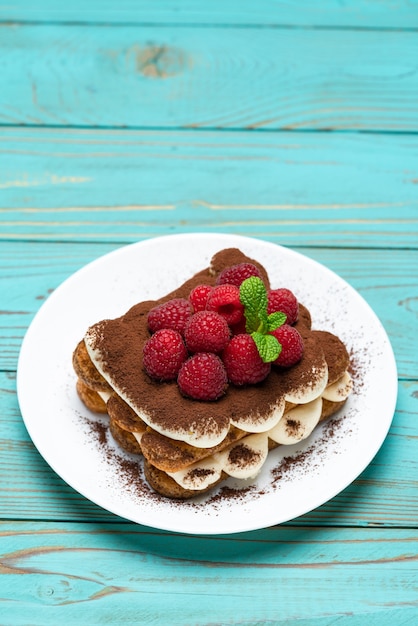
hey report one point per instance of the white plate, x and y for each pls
(295, 479)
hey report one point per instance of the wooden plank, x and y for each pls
(357, 13)
(387, 280)
(150, 76)
(385, 494)
(297, 189)
(81, 573)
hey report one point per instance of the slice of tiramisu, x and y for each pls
(207, 380)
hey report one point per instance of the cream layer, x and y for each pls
(340, 390)
(294, 426)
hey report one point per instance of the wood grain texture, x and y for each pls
(385, 494)
(91, 573)
(331, 13)
(315, 189)
(151, 76)
(145, 119)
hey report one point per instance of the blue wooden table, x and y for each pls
(290, 122)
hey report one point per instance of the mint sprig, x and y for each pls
(259, 323)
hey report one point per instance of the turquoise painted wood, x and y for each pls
(298, 189)
(255, 578)
(294, 122)
(191, 77)
(306, 13)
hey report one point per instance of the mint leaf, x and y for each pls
(274, 320)
(267, 345)
(253, 296)
(259, 324)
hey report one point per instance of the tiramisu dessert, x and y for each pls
(205, 381)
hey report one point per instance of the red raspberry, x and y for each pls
(164, 353)
(203, 377)
(238, 329)
(206, 331)
(224, 299)
(172, 314)
(236, 274)
(285, 301)
(292, 345)
(242, 361)
(199, 297)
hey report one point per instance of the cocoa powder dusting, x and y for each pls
(128, 472)
(307, 460)
(292, 427)
(356, 372)
(242, 456)
(229, 493)
(198, 472)
(100, 430)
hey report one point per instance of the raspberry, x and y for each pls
(163, 354)
(238, 329)
(172, 314)
(206, 331)
(199, 297)
(236, 274)
(285, 301)
(203, 377)
(224, 299)
(292, 345)
(242, 361)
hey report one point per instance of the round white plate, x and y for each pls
(295, 479)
